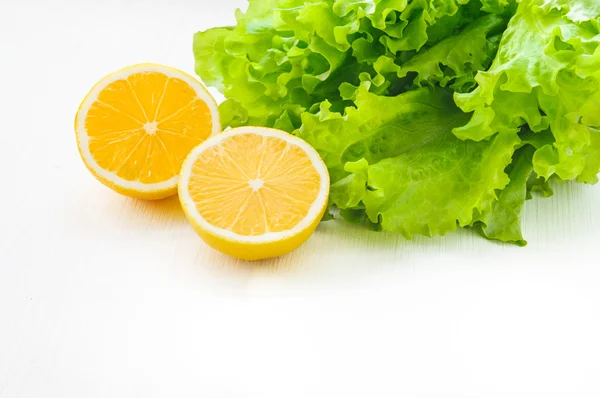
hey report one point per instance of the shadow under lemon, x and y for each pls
(138, 214)
(167, 208)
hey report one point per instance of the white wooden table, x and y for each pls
(104, 296)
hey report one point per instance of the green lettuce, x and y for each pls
(430, 114)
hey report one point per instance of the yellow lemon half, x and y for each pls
(254, 192)
(137, 125)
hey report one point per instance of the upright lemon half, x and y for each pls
(254, 192)
(137, 125)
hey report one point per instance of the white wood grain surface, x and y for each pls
(105, 296)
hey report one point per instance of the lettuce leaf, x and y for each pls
(395, 160)
(503, 223)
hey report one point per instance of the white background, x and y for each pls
(104, 296)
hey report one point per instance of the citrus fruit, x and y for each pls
(254, 192)
(137, 125)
